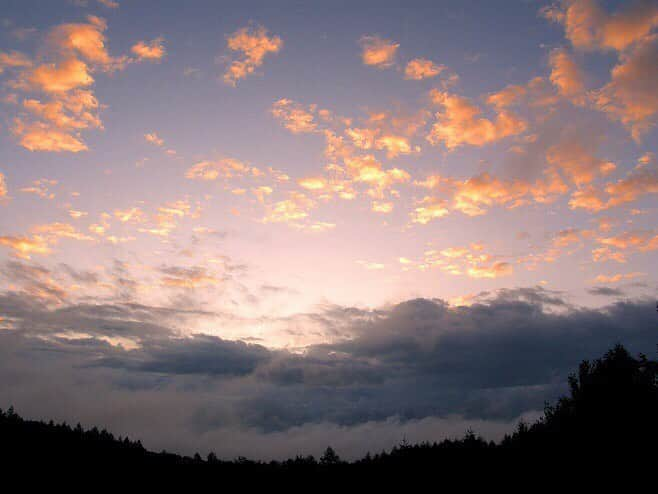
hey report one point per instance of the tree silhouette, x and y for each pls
(329, 457)
(612, 404)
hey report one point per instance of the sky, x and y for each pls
(259, 227)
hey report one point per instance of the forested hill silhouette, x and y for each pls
(611, 409)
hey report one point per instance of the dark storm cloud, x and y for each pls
(498, 344)
(606, 291)
(19, 305)
(31, 316)
(18, 271)
(33, 279)
(423, 358)
(214, 234)
(418, 361)
(535, 295)
(199, 354)
(80, 276)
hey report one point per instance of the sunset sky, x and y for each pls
(290, 223)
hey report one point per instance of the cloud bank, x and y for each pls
(421, 369)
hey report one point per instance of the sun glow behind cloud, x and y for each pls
(443, 159)
(305, 195)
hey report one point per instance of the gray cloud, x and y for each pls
(80, 276)
(421, 365)
(606, 291)
(199, 354)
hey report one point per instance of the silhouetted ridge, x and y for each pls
(611, 409)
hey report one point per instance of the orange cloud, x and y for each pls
(278, 175)
(166, 218)
(212, 170)
(313, 183)
(471, 261)
(350, 167)
(631, 97)
(192, 277)
(566, 241)
(536, 93)
(577, 162)
(73, 110)
(110, 4)
(605, 223)
(262, 192)
(24, 247)
(642, 180)
(475, 195)
(70, 108)
(62, 74)
(102, 227)
(41, 188)
(429, 209)
(493, 270)
(153, 138)
(421, 68)
(347, 166)
(395, 145)
(60, 77)
(567, 76)
(13, 60)
(569, 236)
(398, 122)
(588, 198)
(637, 240)
(132, 215)
(632, 241)
(253, 44)
(455, 252)
(369, 170)
(54, 231)
(58, 121)
(589, 27)
(88, 42)
(602, 278)
(290, 210)
(391, 131)
(76, 215)
(152, 51)
(602, 254)
(40, 137)
(382, 207)
(508, 96)
(461, 123)
(363, 138)
(377, 51)
(84, 39)
(294, 116)
(3, 187)
(159, 223)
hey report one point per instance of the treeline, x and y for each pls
(611, 407)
